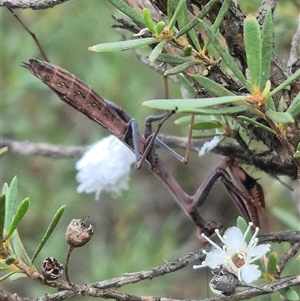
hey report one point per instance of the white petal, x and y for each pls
(250, 273)
(214, 258)
(259, 250)
(233, 238)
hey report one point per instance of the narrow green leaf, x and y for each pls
(183, 20)
(257, 124)
(181, 68)
(18, 248)
(228, 60)
(280, 117)
(270, 104)
(128, 11)
(205, 10)
(287, 82)
(157, 51)
(170, 104)
(297, 154)
(6, 276)
(281, 105)
(186, 85)
(123, 45)
(207, 125)
(272, 262)
(2, 216)
(148, 20)
(3, 151)
(211, 86)
(166, 58)
(18, 216)
(187, 119)
(267, 47)
(205, 136)
(218, 111)
(49, 231)
(289, 294)
(253, 48)
(159, 27)
(177, 11)
(294, 108)
(11, 199)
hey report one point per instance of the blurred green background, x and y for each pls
(144, 227)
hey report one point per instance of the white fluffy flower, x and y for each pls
(104, 166)
(236, 255)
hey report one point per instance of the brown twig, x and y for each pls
(32, 4)
(33, 35)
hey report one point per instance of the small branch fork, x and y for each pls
(102, 289)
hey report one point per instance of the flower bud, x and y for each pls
(78, 233)
(51, 268)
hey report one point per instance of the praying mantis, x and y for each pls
(249, 198)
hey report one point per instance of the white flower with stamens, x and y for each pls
(105, 166)
(236, 255)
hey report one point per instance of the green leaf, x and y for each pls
(157, 51)
(6, 276)
(49, 231)
(217, 111)
(122, 45)
(207, 125)
(148, 20)
(289, 294)
(243, 226)
(166, 58)
(205, 136)
(186, 85)
(253, 48)
(178, 8)
(18, 216)
(280, 117)
(181, 68)
(294, 108)
(257, 124)
(128, 11)
(3, 151)
(205, 10)
(272, 262)
(183, 20)
(297, 153)
(187, 119)
(171, 104)
(270, 104)
(11, 199)
(18, 248)
(2, 216)
(267, 47)
(220, 17)
(287, 82)
(159, 27)
(228, 60)
(211, 86)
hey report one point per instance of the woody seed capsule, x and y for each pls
(78, 233)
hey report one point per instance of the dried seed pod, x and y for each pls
(52, 269)
(78, 233)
